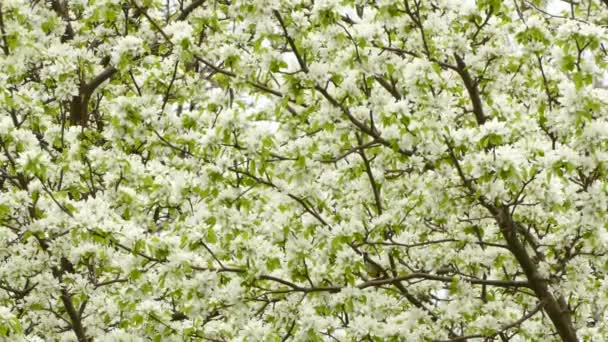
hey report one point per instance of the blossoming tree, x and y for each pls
(354, 170)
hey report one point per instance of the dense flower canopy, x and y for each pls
(306, 170)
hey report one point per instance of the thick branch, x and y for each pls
(62, 11)
(66, 299)
(472, 89)
(427, 276)
(99, 79)
(75, 318)
(189, 9)
(291, 42)
(79, 113)
(555, 307)
(373, 282)
(3, 32)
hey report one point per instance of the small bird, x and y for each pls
(371, 267)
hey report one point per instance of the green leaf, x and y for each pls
(211, 237)
(135, 274)
(273, 264)
(301, 162)
(5, 211)
(137, 319)
(453, 287)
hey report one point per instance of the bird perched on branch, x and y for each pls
(371, 267)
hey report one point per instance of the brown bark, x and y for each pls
(79, 113)
(555, 306)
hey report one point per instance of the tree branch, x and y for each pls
(62, 11)
(189, 9)
(3, 32)
(291, 42)
(472, 89)
(517, 323)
